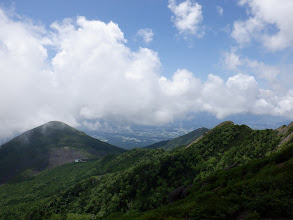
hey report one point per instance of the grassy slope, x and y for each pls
(182, 140)
(32, 149)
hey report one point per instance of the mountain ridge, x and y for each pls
(232, 171)
(185, 139)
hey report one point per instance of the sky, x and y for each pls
(143, 62)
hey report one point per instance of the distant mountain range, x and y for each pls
(47, 146)
(134, 136)
(228, 172)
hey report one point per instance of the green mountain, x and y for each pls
(260, 189)
(47, 146)
(231, 172)
(179, 141)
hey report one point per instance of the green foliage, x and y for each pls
(19, 198)
(260, 189)
(233, 171)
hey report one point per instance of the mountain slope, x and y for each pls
(230, 170)
(148, 183)
(46, 146)
(21, 198)
(260, 189)
(179, 141)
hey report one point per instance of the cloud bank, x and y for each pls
(91, 74)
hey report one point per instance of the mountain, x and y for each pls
(47, 146)
(179, 141)
(259, 189)
(230, 172)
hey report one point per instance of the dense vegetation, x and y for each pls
(179, 141)
(261, 188)
(47, 146)
(231, 171)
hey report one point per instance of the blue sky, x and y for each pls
(143, 62)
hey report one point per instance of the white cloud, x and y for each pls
(92, 126)
(264, 71)
(237, 95)
(22, 58)
(146, 34)
(265, 15)
(243, 31)
(94, 76)
(187, 17)
(220, 10)
(232, 61)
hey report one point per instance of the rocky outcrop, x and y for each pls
(286, 133)
(179, 193)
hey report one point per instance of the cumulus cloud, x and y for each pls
(23, 57)
(146, 34)
(93, 76)
(231, 97)
(269, 22)
(187, 17)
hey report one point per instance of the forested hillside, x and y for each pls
(231, 171)
(260, 189)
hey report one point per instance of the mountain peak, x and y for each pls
(49, 145)
(225, 123)
(55, 125)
